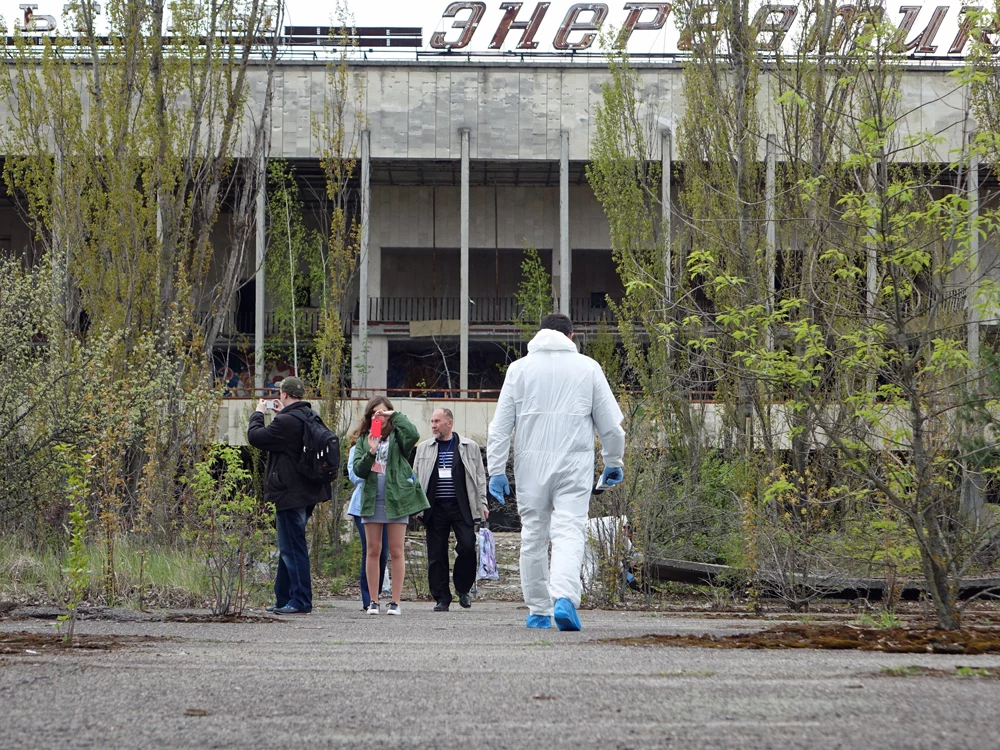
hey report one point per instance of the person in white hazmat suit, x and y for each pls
(554, 398)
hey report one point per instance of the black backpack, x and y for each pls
(320, 458)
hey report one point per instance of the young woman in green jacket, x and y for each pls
(390, 493)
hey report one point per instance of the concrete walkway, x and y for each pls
(476, 679)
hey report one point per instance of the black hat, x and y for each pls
(293, 387)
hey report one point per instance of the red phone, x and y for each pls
(376, 431)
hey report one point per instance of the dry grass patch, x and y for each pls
(915, 639)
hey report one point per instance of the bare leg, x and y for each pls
(373, 544)
(397, 535)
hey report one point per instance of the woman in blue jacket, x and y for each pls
(354, 511)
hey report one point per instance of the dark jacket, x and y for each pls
(282, 439)
(403, 494)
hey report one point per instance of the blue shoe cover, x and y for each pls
(538, 621)
(565, 614)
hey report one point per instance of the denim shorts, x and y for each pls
(379, 515)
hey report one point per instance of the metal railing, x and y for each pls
(245, 324)
(946, 302)
(493, 310)
(470, 394)
(363, 394)
(403, 310)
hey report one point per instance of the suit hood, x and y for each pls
(547, 340)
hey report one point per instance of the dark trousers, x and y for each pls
(445, 518)
(293, 583)
(365, 596)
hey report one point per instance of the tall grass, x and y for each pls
(169, 575)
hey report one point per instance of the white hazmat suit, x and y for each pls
(556, 398)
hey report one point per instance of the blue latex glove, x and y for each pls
(499, 488)
(612, 476)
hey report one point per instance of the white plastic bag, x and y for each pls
(487, 557)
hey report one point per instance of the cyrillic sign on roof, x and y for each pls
(401, 29)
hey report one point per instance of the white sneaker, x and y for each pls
(393, 609)
(373, 608)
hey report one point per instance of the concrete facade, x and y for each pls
(514, 113)
(518, 117)
(416, 110)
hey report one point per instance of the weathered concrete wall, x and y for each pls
(472, 418)
(415, 238)
(517, 112)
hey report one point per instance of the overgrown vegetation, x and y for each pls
(811, 396)
(230, 527)
(135, 165)
(820, 274)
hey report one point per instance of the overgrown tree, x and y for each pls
(124, 145)
(839, 314)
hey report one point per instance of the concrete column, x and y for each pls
(463, 359)
(872, 270)
(769, 217)
(565, 259)
(258, 331)
(666, 161)
(360, 366)
(972, 300)
(973, 481)
(61, 255)
(378, 362)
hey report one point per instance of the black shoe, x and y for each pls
(272, 607)
(441, 607)
(464, 600)
(288, 609)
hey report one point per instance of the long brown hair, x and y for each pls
(365, 425)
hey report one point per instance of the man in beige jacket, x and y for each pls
(450, 468)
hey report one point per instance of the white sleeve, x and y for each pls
(498, 442)
(607, 419)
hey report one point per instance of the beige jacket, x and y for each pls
(472, 462)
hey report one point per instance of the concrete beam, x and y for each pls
(258, 335)
(973, 481)
(565, 258)
(360, 365)
(666, 162)
(771, 258)
(463, 362)
(972, 301)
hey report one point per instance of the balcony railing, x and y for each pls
(402, 310)
(245, 324)
(488, 310)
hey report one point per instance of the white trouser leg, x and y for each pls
(568, 532)
(535, 514)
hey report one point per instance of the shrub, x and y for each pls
(232, 525)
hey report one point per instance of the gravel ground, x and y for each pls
(475, 679)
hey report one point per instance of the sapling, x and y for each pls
(77, 568)
(231, 524)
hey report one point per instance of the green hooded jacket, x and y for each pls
(403, 494)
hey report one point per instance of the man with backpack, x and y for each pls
(303, 458)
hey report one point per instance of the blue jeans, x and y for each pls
(293, 583)
(365, 597)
